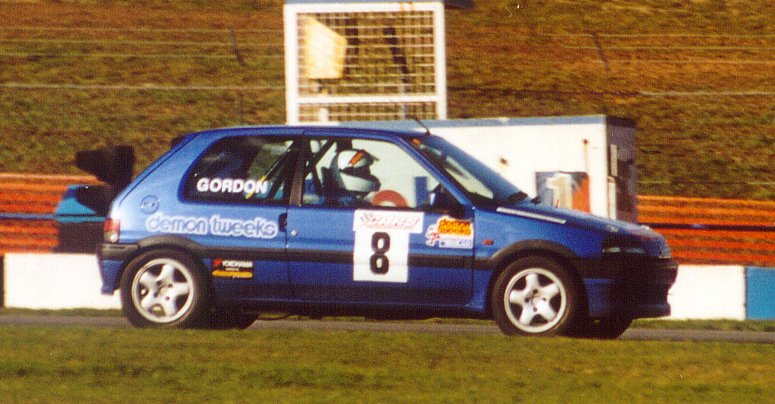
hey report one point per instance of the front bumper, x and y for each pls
(628, 286)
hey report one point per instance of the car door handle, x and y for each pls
(282, 221)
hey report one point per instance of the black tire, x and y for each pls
(229, 318)
(165, 289)
(603, 328)
(536, 296)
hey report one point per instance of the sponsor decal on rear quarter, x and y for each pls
(214, 225)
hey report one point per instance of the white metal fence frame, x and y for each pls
(383, 102)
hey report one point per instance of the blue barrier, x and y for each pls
(71, 210)
(760, 293)
(26, 216)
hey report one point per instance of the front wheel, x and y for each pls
(164, 288)
(535, 296)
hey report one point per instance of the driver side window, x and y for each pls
(362, 173)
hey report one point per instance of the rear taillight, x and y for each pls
(111, 230)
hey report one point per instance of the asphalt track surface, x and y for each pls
(633, 334)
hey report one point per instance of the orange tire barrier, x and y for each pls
(26, 204)
(713, 230)
(744, 233)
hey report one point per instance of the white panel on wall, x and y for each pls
(55, 281)
(708, 292)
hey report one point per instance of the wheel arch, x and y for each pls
(170, 269)
(163, 242)
(534, 248)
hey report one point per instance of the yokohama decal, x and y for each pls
(236, 269)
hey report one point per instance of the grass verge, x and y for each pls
(710, 325)
(86, 364)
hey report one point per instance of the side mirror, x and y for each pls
(441, 201)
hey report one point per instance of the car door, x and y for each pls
(363, 232)
(238, 192)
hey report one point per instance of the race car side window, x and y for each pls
(244, 169)
(365, 173)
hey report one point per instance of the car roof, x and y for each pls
(305, 130)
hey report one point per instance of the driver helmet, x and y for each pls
(350, 170)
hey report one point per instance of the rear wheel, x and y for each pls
(535, 296)
(165, 288)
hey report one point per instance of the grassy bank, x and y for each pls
(695, 76)
(78, 364)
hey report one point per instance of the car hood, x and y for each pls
(614, 231)
(575, 218)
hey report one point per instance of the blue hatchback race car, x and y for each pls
(341, 221)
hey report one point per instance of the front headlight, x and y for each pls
(623, 245)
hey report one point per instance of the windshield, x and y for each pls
(481, 184)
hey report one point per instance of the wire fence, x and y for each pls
(225, 44)
(244, 60)
(142, 87)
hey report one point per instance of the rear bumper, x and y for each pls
(116, 252)
(110, 271)
(634, 287)
(111, 258)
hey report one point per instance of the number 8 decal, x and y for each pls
(381, 249)
(380, 244)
